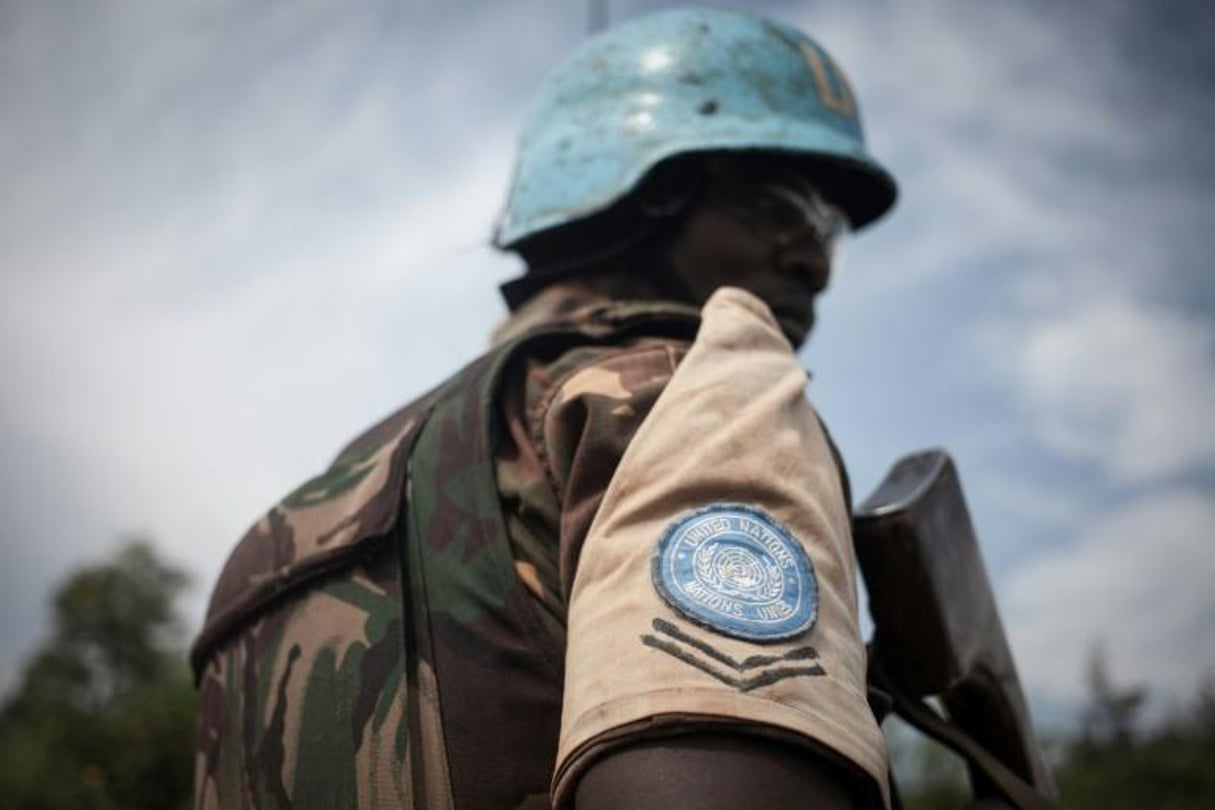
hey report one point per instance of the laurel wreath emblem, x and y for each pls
(732, 570)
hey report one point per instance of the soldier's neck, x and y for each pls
(562, 299)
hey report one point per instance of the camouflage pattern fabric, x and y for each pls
(309, 706)
(392, 633)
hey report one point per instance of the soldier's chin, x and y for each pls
(795, 325)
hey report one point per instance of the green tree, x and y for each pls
(103, 715)
(1114, 762)
(1111, 718)
(929, 776)
(1111, 760)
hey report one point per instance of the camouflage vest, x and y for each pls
(368, 643)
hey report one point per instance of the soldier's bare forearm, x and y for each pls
(712, 771)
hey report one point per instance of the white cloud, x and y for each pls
(1138, 581)
(1036, 191)
(1037, 507)
(972, 121)
(1127, 385)
(190, 418)
(222, 279)
(231, 236)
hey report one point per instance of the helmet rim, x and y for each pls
(612, 111)
(873, 190)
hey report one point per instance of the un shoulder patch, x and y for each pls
(737, 570)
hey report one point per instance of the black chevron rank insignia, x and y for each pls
(750, 673)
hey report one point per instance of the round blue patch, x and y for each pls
(735, 569)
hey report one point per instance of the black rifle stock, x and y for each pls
(938, 631)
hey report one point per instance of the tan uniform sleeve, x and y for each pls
(651, 653)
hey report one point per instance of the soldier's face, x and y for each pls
(751, 232)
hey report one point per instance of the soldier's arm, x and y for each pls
(587, 424)
(711, 771)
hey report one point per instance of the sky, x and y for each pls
(233, 234)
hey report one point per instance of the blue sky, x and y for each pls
(232, 234)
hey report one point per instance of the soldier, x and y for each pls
(607, 564)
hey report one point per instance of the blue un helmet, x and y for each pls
(680, 83)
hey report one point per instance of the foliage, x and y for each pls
(1111, 762)
(103, 714)
(929, 776)
(103, 717)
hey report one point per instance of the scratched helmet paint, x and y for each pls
(681, 82)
